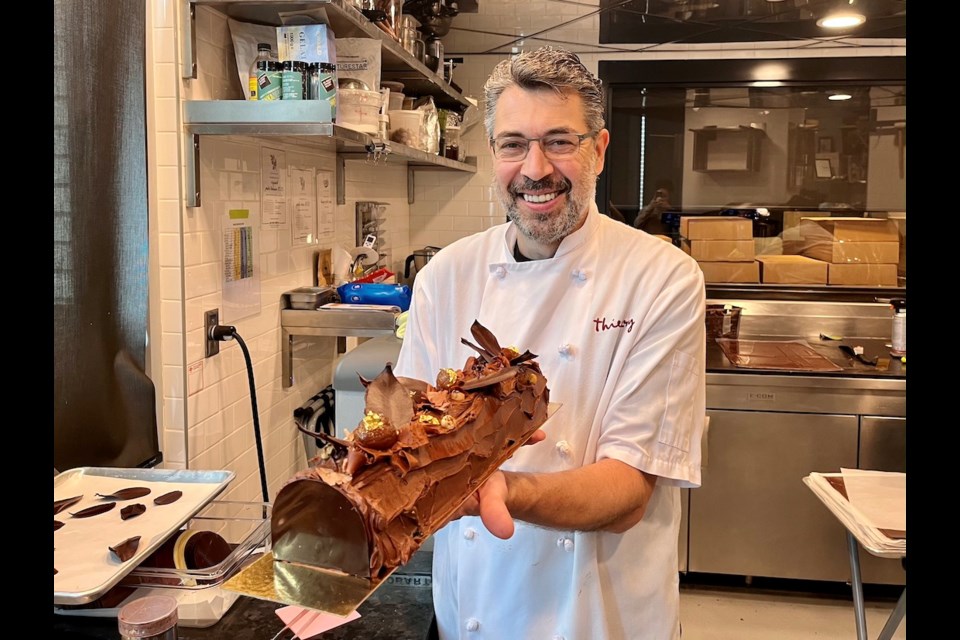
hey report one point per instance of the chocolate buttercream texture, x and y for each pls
(419, 452)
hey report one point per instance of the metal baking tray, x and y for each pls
(86, 568)
(200, 601)
(310, 297)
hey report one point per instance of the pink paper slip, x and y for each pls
(311, 623)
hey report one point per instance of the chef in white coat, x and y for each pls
(575, 538)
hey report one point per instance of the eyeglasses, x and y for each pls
(556, 146)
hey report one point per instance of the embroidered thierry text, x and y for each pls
(601, 324)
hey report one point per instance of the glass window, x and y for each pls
(776, 155)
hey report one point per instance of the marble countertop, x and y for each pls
(393, 612)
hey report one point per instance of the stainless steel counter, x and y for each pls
(752, 516)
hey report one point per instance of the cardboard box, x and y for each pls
(791, 223)
(306, 42)
(719, 250)
(792, 270)
(853, 252)
(849, 229)
(716, 228)
(869, 275)
(731, 271)
(768, 246)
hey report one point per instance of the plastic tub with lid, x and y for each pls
(358, 109)
(406, 127)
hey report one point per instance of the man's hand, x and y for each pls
(490, 500)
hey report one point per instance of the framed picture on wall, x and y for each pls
(824, 168)
(825, 144)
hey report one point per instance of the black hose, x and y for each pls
(256, 417)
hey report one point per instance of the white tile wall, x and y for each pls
(212, 428)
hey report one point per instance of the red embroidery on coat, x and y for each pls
(601, 324)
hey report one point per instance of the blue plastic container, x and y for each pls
(375, 293)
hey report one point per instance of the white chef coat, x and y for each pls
(616, 319)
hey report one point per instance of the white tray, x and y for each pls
(86, 568)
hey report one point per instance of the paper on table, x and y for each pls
(880, 496)
(312, 623)
(872, 539)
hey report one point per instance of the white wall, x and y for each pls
(205, 416)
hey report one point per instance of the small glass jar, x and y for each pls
(149, 618)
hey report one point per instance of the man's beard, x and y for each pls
(548, 228)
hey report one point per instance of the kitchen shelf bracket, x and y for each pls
(192, 169)
(188, 45)
(413, 168)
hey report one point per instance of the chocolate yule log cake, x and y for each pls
(420, 450)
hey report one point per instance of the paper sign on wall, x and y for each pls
(273, 190)
(303, 206)
(241, 272)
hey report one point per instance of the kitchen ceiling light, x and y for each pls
(841, 20)
(839, 96)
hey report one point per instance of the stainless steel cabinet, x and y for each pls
(753, 515)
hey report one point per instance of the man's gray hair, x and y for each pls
(547, 68)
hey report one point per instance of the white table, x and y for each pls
(855, 538)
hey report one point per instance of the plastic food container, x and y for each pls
(358, 109)
(406, 127)
(723, 321)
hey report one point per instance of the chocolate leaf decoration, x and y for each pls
(57, 524)
(132, 511)
(493, 378)
(486, 338)
(126, 494)
(487, 356)
(523, 357)
(168, 498)
(126, 549)
(60, 505)
(96, 509)
(387, 396)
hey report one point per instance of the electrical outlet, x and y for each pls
(210, 320)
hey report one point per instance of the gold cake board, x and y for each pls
(297, 584)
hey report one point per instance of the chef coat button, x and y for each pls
(501, 273)
(473, 624)
(568, 545)
(565, 349)
(560, 541)
(469, 534)
(581, 275)
(563, 448)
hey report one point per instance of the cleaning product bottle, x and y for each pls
(898, 334)
(263, 53)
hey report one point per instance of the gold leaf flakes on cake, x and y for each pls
(375, 432)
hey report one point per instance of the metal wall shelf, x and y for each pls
(304, 119)
(346, 22)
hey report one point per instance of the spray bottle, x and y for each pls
(898, 334)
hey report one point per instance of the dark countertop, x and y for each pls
(401, 609)
(393, 612)
(717, 362)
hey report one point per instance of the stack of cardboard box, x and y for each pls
(722, 245)
(858, 251)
